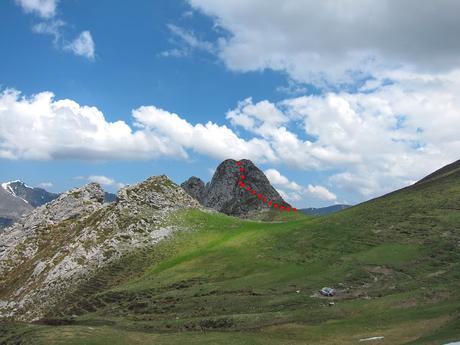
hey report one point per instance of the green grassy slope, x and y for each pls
(395, 262)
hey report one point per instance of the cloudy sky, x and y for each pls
(338, 101)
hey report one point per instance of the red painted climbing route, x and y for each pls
(243, 183)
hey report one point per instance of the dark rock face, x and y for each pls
(195, 187)
(225, 195)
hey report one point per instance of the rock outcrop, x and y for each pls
(195, 187)
(225, 195)
(58, 245)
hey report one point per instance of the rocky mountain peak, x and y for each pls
(195, 187)
(225, 195)
(156, 192)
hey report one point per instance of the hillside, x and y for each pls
(394, 262)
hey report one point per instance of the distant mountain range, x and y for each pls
(322, 211)
(18, 199)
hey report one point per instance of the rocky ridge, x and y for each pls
(225, 195)
(63, 242)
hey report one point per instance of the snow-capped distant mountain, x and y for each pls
(33, 196)
(17, 199)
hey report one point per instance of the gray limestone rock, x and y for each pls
(60, 244)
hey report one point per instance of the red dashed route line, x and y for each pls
(247, 188)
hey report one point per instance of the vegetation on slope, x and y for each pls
(394, 262)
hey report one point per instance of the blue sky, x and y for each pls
(150, 87)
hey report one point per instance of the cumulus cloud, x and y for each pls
(104, 181)
(83, 45)
(368, 143)
(62, 129)
(297, 192)
(321, 192)
(262, 118)
(336, 41)
(275, 177)
(42, 8)
(209, 139)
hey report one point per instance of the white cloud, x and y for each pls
(276, 178)
(83, 45)
(102, 180)
(336, 41)
(62, 129)
(105, 181)
(187, 41)
(209, 139)
(297, 192)
(50, 27)
(370, 143)
(290, 197)
(42, 8)
(321, 192)
(262, 118)
(45, 185)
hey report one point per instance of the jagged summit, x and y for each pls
(157, 192)
(225, 195)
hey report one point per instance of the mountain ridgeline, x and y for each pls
(18, 199)
(157, 267)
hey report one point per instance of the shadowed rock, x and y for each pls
(196, 188)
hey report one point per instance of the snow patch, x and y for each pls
(6, 186)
